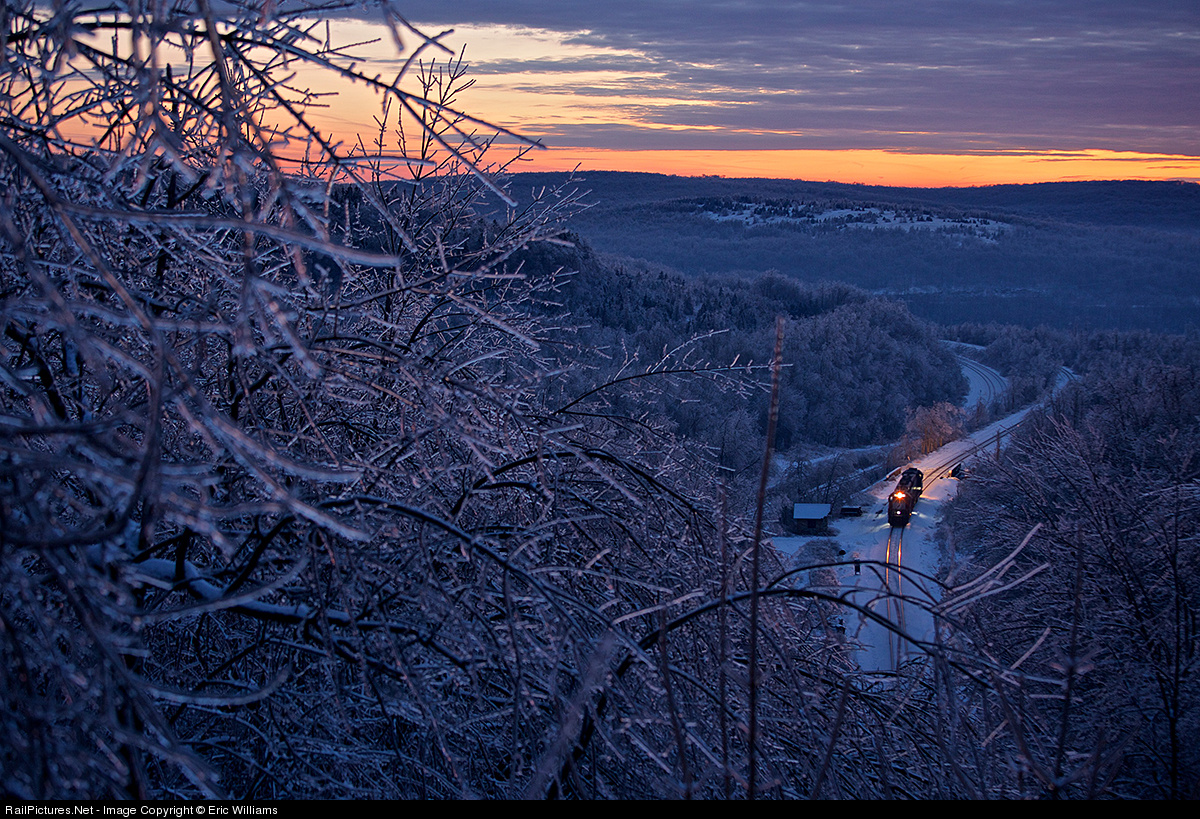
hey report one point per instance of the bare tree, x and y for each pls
(1099, 640)
(929, 428)
(253, 455)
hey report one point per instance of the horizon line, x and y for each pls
(872, 167)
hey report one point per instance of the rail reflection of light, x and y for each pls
(894, 608)
(893, 564)
(900, 645)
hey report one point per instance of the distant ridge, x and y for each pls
(1116, 202)
(1104, 255)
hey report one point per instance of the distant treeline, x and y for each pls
(1032, 357)
(855, 363)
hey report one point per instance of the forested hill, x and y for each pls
(855, 363)
(1131, 203)
(1158, 205)
(1104, 255)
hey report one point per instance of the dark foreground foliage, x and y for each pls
(1101, 635)
(292, 506)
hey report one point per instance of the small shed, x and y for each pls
(808, 518)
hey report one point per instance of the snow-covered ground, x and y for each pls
(985, 384)
(878, 586)
(871, 540)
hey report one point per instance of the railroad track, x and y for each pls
(994, 382)
(893, 576)
(893, 597)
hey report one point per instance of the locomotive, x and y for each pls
(904, 498)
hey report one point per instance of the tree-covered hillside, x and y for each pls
(308, 491)
(1101, 488)
(854, 364)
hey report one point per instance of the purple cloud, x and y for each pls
(942, 76)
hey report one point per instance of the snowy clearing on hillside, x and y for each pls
(863, 217)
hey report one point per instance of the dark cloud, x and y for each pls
(1041, 75)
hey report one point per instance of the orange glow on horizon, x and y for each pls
(876, 167)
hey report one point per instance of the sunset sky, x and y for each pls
(905, 93)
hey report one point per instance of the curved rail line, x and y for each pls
(893, 576)
(995, 384)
